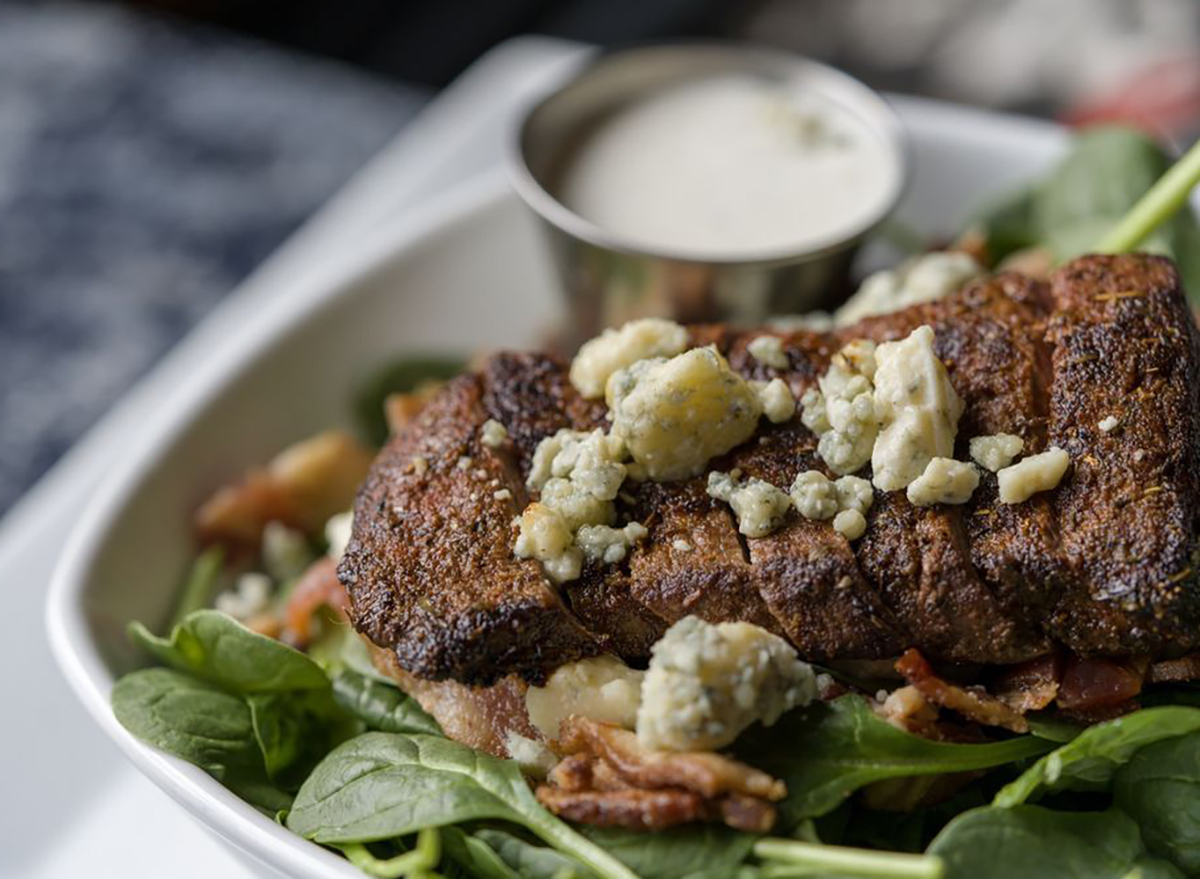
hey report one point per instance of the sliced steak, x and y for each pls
(1102, 565)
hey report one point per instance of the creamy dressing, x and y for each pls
(731, 165)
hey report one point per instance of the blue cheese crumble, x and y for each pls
(917, 407)
(616, 349)
(675, 415)
(759, 507)
(944, 481)
(841, 409)
(706, 683)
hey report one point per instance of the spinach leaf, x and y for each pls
(261, 794)
(295, 730)
(1160, 789)
(200, 584)
(1105, 172)
(1036, 843)
(676, 852)
(190, 719)
(216, 648)
(531, 861)
(383, 785)
(381, 706)
(475, 856)
(827, 751)
(1089, 761)
(400, 377)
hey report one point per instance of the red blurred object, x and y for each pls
(1163, 100)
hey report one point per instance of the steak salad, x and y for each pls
(907, 590)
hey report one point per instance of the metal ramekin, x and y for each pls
(610, 278)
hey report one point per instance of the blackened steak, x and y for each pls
(1103, 565)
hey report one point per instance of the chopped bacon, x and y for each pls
(707, 773)
(905, 708)
(1029, 686)
(1185, 668)
(317, 587)
(608, 779)
(301, 487)
(972, 703)
(632, 808)
(400, 409)
(1099, 684)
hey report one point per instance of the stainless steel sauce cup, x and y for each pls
(610, 277)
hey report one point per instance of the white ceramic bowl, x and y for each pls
(465, 274)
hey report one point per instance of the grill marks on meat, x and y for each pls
(1126, 346)
(430, 569)
(1102, 565)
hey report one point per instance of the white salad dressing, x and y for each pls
(731, 165)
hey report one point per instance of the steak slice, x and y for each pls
(1103, 565)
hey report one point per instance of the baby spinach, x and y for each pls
(676, 852)
(827, 751)
(217, 648)
(474, 856)
(1104, 174)
(383, 785)
(1036, 843)
(381, 706)
(530, 861)
(201, 583)
(189, 718)
(400, 377)
(1089, 761)
(1160, 789)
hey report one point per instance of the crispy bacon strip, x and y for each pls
(974, 704)
(1029, 686)
(1095, 686)
(632, 808)
(1169, 671)
(317, 587)
(706, 773)
(608, 779)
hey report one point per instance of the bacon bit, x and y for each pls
(1123, 294)
(400, 409)
(906, 709)
(317, 587)
(631, 809)
(1185, 668)
(609, 780)
(1029, 686)
(974, 704)
(301, 487)
(1100, 684)
(705, 772)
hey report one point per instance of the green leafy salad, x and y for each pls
(262, 684)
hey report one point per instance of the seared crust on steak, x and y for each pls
(1103, 565)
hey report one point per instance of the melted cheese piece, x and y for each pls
(602, 688)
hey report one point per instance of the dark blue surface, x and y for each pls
(145, 168)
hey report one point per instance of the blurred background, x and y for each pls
(153, 153)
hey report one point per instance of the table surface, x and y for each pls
(81, 806)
